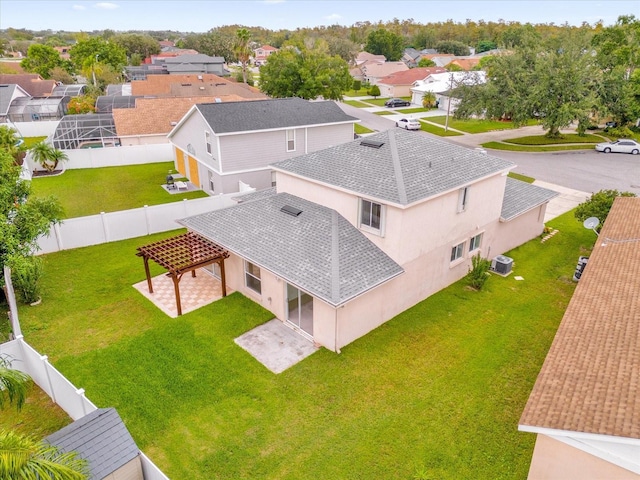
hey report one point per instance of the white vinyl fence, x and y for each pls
(114, 226)
(43, 128)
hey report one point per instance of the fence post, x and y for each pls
(105, 229)
(58, 235)
(80, 393)
(184, 202)
(45, 361)
(146, 219)
(11, 300)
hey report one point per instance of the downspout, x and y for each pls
(335, 333)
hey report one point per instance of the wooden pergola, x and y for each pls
(181, 254)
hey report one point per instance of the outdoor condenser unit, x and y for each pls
(502, 264)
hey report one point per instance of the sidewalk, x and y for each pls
(567, 200)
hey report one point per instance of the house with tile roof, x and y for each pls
(372, 72)
(191, 85)
(399, 84)
(222, 146)
(32, 83)
(261, 54)
(354, 234)
(464, 63)
(585, 405)
(102, 439)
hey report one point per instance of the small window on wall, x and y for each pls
(370, 215)
(273, 178)
(212, 185)
(291, 140)
(475, 243)
(207, 139)
(457, 251)
(463, 199)
(252, 277)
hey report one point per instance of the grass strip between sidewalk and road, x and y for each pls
(526, 148)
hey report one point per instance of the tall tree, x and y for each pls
(385, 42)
(291, 72)
(453, 47)
(243, 50)
(42, 59)
(94, 51)
(133, 43)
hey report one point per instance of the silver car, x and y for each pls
(408, 124)
(619, 146)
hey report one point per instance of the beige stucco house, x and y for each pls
(354, 234)
(220, 147)
(585, 405)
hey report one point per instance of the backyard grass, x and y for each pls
(527, 148)
(438, 389)
(356, 103)
(427, 127)
(31, 141)
(359, 129)
(475, 125)
(566, 138)
(90, 191)
(521, 177)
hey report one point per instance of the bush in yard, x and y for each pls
(48, 156)
(599, 204)
(26, 273)
(357, 85)
(478, 273)
(374, 91)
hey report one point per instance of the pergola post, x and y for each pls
(176, 288)
(148, 273)
(223, 280)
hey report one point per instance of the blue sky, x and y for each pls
(202, 15)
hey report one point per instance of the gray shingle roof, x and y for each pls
(520, 197)
(268, 114)
(318, 251)
(6, 94)
(409, 166)
(194, 58)
(99, 437)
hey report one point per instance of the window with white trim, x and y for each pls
(457, 252)
(207, 140)
(252, 277)
(370, 215)
(273, 178)
(463, 199)
(291, 140)
(475, 243)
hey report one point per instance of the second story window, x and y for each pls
(463, 199)
(291, 140)
(371, 215)
(207, 140)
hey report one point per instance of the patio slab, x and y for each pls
(276, 346)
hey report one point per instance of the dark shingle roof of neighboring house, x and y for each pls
(101, 438)
(520, 197)
(270, 114)
(195, 58)
(318, 251)
(590, 379)
(6, 96)
(407, 168)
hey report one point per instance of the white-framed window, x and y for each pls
(207, 140)
(371, 215)
(457, 251)
(463, 199)
(273, 178)
(252, 277)
(475, 243)
(291, 140)
(212, 185)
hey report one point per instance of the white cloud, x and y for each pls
(106, 6)
(79, 7)
(333, 16)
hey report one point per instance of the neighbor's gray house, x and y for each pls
(8, 93)
(101, 438)
(219, 145)
(354, 234)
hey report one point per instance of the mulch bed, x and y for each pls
(44, 173)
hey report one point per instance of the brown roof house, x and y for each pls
(32, 83)
(373, 72)
(221, 146)
(465, 63)
(261, 54)
(191, 85)
(399, 84)
(585, 405)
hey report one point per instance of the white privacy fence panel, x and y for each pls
(114, 226)
(42, 128)
(116, 156)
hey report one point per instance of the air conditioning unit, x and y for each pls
(502, 264)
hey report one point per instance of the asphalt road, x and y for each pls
(588, 171)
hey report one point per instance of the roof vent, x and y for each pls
(371, 143)
(289, 210)
(173, 124)
(199, 77)
(218, 100)
(201, 88)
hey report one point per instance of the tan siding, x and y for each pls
(129, 471)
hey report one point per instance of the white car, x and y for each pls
(619, 146)
(408, 124)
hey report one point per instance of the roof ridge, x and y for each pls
(397, 169)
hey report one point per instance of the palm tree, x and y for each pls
(47, 156)
(243, 50)
(428, 99)
(12, 143)
(26, 458)
(13, 385)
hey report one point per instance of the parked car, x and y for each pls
(396, 102)
(619, 146)
(408, 124)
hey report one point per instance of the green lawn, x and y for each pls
(356, 103)
(566, 138)
(474, 125)
(385, 112)
(356, 93)
(90, 191)
(359, 129)
(521, 177)
(527, 148)
(380, 101)
(437, 130)
(438, 389)
(412, 110)
(31, 141)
